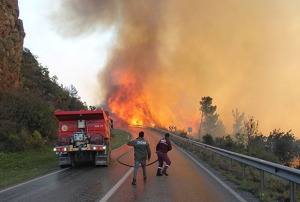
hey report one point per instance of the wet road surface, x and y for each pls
(188, 180)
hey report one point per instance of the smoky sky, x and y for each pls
(243, 54)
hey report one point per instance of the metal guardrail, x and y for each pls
(291, 174)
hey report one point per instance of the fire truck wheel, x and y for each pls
(74, 163)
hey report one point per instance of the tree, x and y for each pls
(258, 148)
(251, 130)
(284, 146)
(210, 123)
(220, 129)
(73, 92)
(259, 141)
(54, 79)
(240, 139)
(238, 121)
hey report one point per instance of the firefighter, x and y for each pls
(141, 152)
(162, 149)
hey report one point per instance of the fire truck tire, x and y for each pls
(74, 163)
(108, 159)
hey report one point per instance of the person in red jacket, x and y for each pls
(162, 148)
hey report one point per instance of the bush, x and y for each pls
(208, 139)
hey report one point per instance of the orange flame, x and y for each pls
(131, 106)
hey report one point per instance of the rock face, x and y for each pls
(11, 45)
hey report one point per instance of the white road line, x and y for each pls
(216, 178)
(105, 198)
(4, 190)
(115, 188)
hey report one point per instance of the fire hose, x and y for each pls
(132, 165)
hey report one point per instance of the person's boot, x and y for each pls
(133, 182)
(165, 173)
(158, 173)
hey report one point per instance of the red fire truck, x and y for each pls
(83, 136)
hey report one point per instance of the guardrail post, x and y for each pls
(262, 179)
(292, 191)
(230, 165)
(243, 170)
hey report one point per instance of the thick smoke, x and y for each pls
(167, 55)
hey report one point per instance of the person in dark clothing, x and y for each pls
(141, 152)
(162, 148)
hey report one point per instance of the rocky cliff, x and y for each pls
(11, 45)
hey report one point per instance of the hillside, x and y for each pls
(28, 95)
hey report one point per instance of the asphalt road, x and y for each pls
(189, 180)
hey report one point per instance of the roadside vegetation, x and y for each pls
(279, 147)
(22, 166)
(119, 138)
(276, 188)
